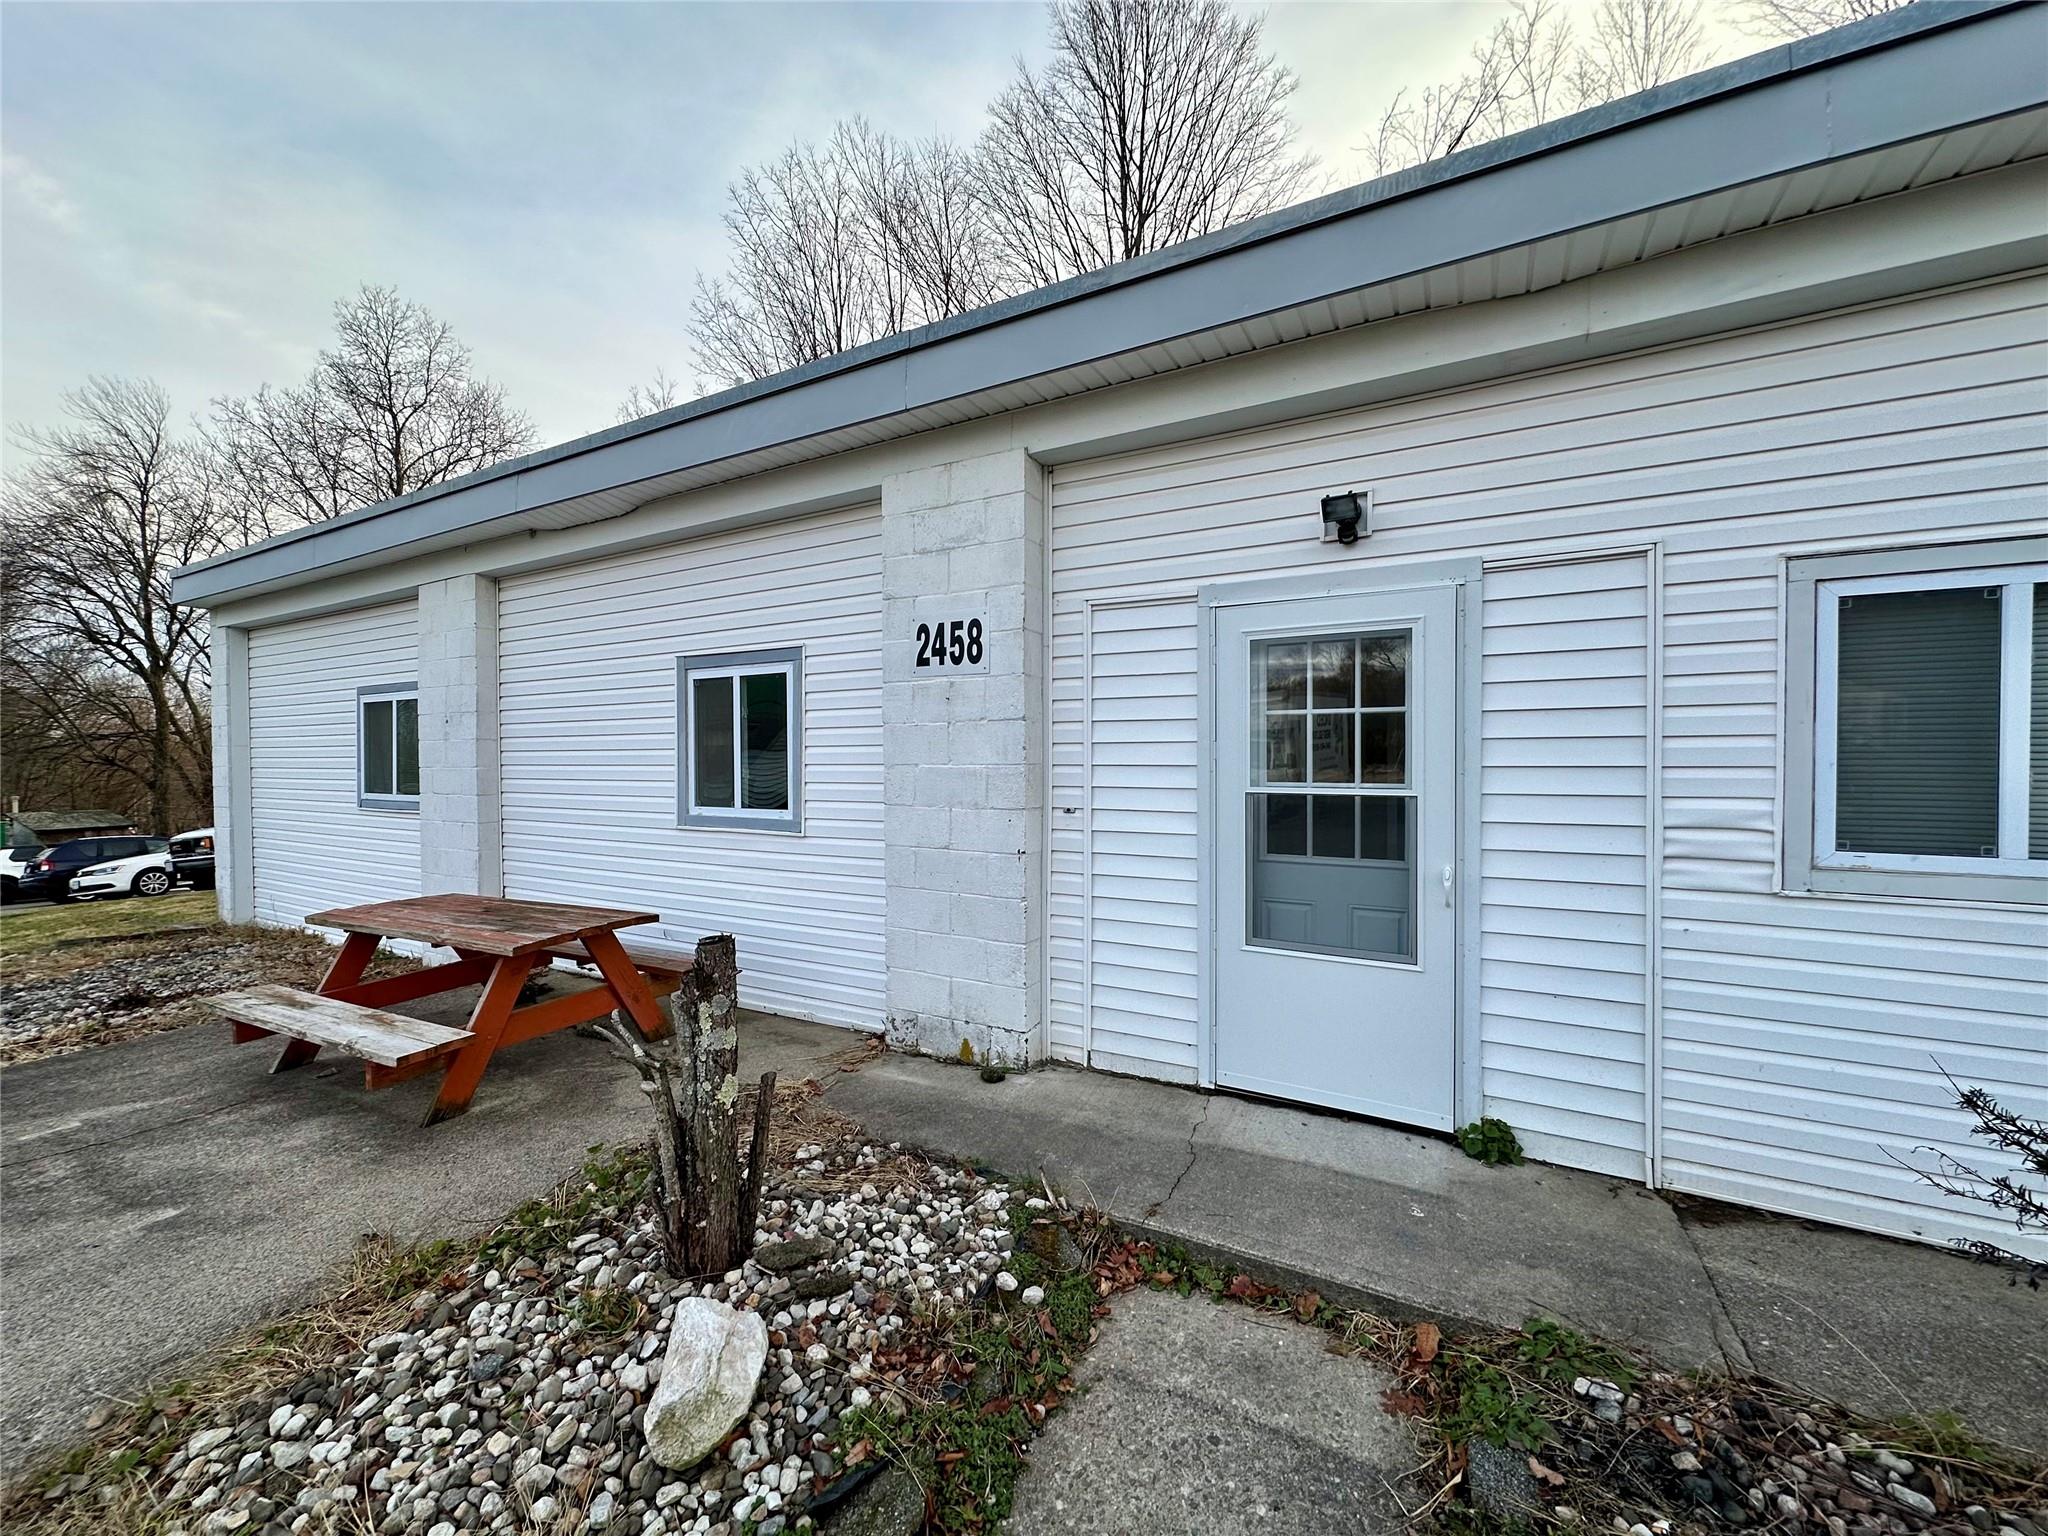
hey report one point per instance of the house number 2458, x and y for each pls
(949, 643)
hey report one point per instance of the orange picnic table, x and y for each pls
(497, 945)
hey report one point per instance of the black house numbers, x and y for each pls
(951, 644)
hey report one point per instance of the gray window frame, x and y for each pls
(1802, 872)
(364, 695)
(778, 659)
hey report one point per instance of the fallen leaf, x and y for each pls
(861, 1451)
(1162, 1277)
(947, 1458)
(1306, 1305)
(1427, 1339)
(1245, 1288)
(1404, 1404)
(1544, 1474)
(1663, 1427)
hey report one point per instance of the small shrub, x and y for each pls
(1491, 1141)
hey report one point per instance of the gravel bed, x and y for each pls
(122, 991)
(514, 1403)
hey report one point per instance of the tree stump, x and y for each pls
(707, 1208)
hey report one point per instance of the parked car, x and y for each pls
(144, 874)
(14, 861)
(50, 875)
(192, 858)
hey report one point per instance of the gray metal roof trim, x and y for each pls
(1906, 24)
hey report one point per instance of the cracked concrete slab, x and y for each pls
(1890, 1327)
(1406, 1225)
(1199, 1416)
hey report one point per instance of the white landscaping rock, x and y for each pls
(708, 1378)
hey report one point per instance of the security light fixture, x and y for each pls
(1347, 516)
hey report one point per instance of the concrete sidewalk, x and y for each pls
(1407, 1225)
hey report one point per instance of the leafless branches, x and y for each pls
(2020, 1194)
(1156, 121)
(659, 393)
(392, 407)
(1803, 18)
(838, 244)
(102, 672)
(1532, 67)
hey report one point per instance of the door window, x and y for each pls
(1331, 812)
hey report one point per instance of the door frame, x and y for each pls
(1464, 577)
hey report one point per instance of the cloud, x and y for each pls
(43, 193)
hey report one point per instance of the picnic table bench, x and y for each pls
(497, 943)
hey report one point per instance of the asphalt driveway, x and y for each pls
(162, 1194)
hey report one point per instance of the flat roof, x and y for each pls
(1809, 102)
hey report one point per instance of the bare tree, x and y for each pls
(1155, 122)
(1532, 68)
(1637, 44)
(659, 393)
(393, 406)
(99, 664)
(1803, 18)
(839, 243)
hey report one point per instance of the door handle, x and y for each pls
(1450, 877)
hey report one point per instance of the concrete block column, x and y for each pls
(964, 753)
(461, 834)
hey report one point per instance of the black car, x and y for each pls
(192, 858)
(49, 877)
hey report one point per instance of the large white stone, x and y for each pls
(715, 1355)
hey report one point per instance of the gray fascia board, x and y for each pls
(1921, 70)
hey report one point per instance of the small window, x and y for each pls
(1920, 723)
(740, 723)
(388, 747)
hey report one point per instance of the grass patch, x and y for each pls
(35, 932)
(1001, 1369)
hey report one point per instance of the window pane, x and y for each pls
(711, 742)
(2037, 749)
(377, 747)
(1330, 737)
(764, 705)
(1287, 749)
(1334, 825)
(1917, 723)
(408, 716)
(1382, 749)
(1383, 670)
(1332, 669)
(1285, 664)
(1286, 824)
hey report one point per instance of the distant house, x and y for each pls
(1550, 634)
(57, 826)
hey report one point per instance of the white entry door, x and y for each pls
(1335, 855)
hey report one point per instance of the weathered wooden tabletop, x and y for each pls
(484, 925)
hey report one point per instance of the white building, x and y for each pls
(1659, 770)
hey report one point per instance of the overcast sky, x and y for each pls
(189, 187)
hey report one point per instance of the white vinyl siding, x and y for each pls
(1564, 844)
(587, 739)
(312, 846)
(1801, 1034)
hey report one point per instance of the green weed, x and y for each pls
(1490, 1141)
